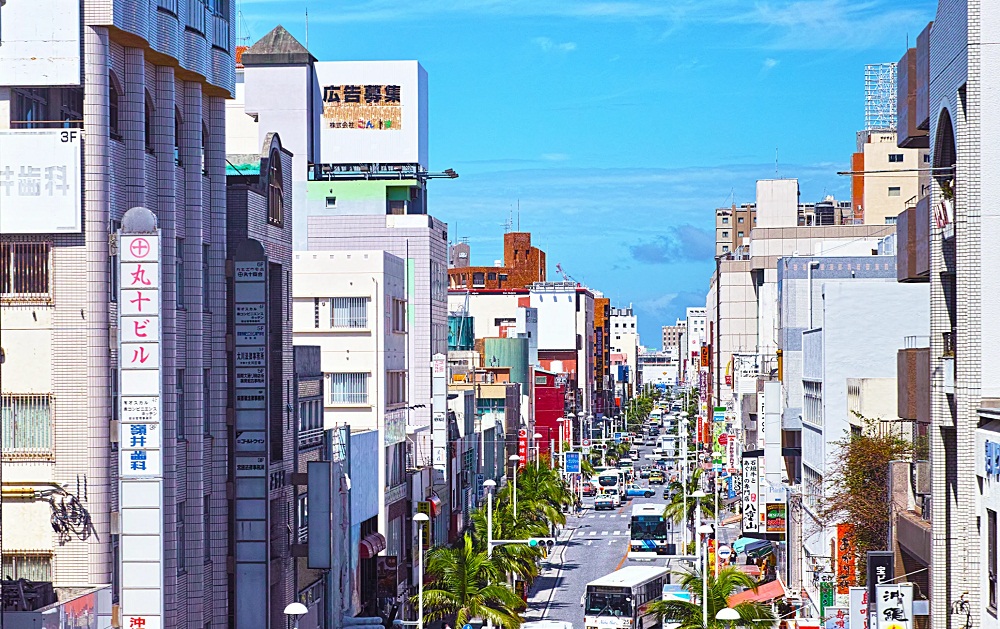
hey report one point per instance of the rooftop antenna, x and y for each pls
(307, 28)
(776, 162)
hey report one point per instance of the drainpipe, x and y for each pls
(809, 274)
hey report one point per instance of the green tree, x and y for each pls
(689, 614)
(518, 559)
(675, 509)
(465, 585)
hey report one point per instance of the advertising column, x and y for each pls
(439, 416)
(250, 447)
(140, 463)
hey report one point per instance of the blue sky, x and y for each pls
(620, 126)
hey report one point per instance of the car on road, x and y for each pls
(644, 472)
(667, 494)
(656, 477)
(604, 501)
(589, 489)
(638, 490)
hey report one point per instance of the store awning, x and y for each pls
(766, 592)
(435, 501)
(372, 545)
(753, 571)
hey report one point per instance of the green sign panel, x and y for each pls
(826, 596)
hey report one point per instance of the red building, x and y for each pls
(550, 407)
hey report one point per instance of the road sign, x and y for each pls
(723, 439)
(724, 552)
(572, 462)
(466, 626)
(586, 443)
(618, 437)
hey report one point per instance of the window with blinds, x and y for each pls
(27, 425)
(33, 567)
(349, 312)
(24, 271)
(347, 388)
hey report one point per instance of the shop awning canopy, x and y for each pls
(371, 545)
(435, 501)
(765, 592)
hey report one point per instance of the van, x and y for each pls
(634, 454)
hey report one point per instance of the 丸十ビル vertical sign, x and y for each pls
(140, 461)
(439, 412)
(751, 489)
(250, 385)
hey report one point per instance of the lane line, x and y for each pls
(562, 557)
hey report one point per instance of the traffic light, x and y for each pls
(541, 542)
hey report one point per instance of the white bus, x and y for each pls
(656, 417)
(648, 532)
(621, 599)
(610, 481)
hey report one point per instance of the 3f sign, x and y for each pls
(69, 136)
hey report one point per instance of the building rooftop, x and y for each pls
(276, 48)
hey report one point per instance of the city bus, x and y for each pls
(656, 417)
(610, 481)
(648, 532)
(621, 599)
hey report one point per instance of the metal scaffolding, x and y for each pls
(880, 97)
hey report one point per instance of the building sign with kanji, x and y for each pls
(375, 107)
(847, 563)
(141, 421)
(751, 491)
(40, 181)
(894, 606)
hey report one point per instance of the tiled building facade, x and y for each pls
(523, 265)
(155, 76)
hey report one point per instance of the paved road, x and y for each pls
(591, 546)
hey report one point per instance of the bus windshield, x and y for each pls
(608, 480)
(608, 602)
(649, 527)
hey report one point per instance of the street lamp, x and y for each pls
(562, 431)
(706, 530)
(684, 473)
(490, 486)
(727, 616)
(697, 495)
(421, 520)
(295, 610)
(538, 447)
(515, 460)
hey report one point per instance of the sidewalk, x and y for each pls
(549, 573)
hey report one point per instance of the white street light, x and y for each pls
(515, 460)
(490, 486)
(728, 616)
(295, 610)
(706, 530)
(684, 476)
(538, 447)
(421, 521)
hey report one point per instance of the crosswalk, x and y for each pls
(613, 515)
(613, 534)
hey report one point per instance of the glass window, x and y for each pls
(206, 256)
(114, 93)
(148, 123)
(275, 190)
(181, 537)
(349, 312)
(206, 380)
(27, 423)
(30, 566)
(181, 432)
(207, 526)
(178, 125)
(991, 545)
(893, 191)
(347, 388)
(895, 157)
(179, 269)
(24, 270)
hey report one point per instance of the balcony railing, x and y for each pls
(168, 5)
(916, 342)
(310, 438)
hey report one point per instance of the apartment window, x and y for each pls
(26, 424)
(725, 234)
(24, 270)
(275, 189)
(179, 269)
(331, 202)
(395, 388)
(725, 248)
(204, 147)
(316, 312)
(893, 191)
(30, 107)
(310, 415)
(178, 125)
(114, 93)
(740, 220)
(492, 276)
(347, 388)
(206, 393)
(181, 432)
(302, 518)
(205, 275)
(725, 220)
(147, 123)
(503, 277)
(207, 528)
(895, 158)
(927, 158)
(991, 545)
(812, 403)
(181, 538)
(349, 312)
(739, 234)
(30, 566)
(399, 315)
(478, 280)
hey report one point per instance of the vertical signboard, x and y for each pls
(572, 462)
(827, 596)
(140, 461)
(250, 383)
(751, 489)
(881, 569)
(837, 618)
(858, 597)
(439, 414)
(846, 558)
(894, 606)
(522, 447)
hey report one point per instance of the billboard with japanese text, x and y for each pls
(40, 181)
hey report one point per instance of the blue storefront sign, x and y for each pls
(573, 462)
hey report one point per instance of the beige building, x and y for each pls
(874, 399)
(733, 225)
(673, 335)
(891, 181)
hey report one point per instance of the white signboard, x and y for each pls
(140, 431)
(372, 112)
(859, 607)
(751, 491)
(40, 42)
(40, 178)
(894, 606)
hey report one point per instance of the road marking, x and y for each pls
(624, 557)
(604, 532)
(593, 532)
(618, 533)
(602, 516)
(590, 542)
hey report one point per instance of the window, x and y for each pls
(991, 552)
(30, 566)
(206, 402)
(349, 312)
(181, 537)
(725, 234)
(347, 388)
(740, 220)
(26, 424)
(331, 202)
(478, 280)
(492, 276)
(181, 432)
(725, 248)
(316, 312)
(927, 158)
(206, 254)
(178, 125)
(399, 315)
(725, 220)
(179, 269)
(204, 147)
(895, 157)
(24, 271)
(275, 188)
(30, 106)
(114, 93)
(207, 526)
(147, 122)
(893, 191)
(302, 518)
(395, 388)
(739, 234)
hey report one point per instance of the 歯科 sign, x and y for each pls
(140, 436)
(41, 180)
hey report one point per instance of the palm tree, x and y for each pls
(518, 559)
(675, 510)
(689, 615)
(465, 585)
(541, 494)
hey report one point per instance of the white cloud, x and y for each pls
(768, 65)
(547, 45)
(555, 157)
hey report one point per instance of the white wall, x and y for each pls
(777, 202)
(556, 318)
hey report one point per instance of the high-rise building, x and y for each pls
(125, 109)
(733, 225)
(672, 335)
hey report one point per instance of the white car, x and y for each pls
(604, 501)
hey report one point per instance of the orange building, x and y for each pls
(523, 265)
